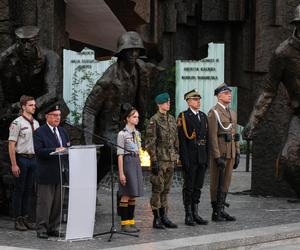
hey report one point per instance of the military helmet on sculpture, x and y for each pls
(130, 40)
(297, 15)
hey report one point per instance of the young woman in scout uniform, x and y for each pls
(130, 172)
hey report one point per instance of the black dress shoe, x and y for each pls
(55, 234)
(42, 235)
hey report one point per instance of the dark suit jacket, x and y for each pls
(48, 170)
(190, 152)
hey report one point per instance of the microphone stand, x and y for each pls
(113, 230)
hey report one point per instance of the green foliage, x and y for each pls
(83, 81)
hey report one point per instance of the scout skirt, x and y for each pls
(134, 177)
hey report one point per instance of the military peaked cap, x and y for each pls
(27, 32)
(222, 88)
(52, 108)
(192, 93)
(162, 98)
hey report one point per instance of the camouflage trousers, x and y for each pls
(161, 185)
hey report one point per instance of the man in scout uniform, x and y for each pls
(193, 135)
(162, 146)
(224, 151)
(23, 163)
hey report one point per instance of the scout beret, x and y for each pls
(27, 32)
(222, 88)
(192, 93)
(162, 98)
(52, 108)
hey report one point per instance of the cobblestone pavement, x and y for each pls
(251, 212)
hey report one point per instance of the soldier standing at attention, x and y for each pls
(162, 146)
(193, 133)
(224, 150)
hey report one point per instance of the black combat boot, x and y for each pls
(165, 220)
(225, 215)
(196, 216)
(156, 220)
(216, 214)
(189, 220)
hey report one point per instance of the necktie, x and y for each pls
(198, 115)
(228, 111)
(56, 137)
(133, 136)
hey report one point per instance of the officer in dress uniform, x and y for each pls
(193, 134)
(162, 146)
(224, 150)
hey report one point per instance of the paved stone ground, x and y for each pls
(251, 212)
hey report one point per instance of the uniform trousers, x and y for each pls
(48, 210)
(161, 184)
(214, 177)
(193, 182)
(23, 190)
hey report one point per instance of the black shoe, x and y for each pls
(196, 216)
(42, 235)
(55, 233)
(216, 216)
(227, 216)
(156, 220)
(189, 220)
(165, 220)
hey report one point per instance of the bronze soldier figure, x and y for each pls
(162, 145)
(284, 67)
(28, 69)
(224, 151)
(125, 81)
(193, 141)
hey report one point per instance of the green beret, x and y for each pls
(222, 88)
(162, 98)
(192, 93)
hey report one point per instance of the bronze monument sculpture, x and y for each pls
(126, 81)
(284, 68)
(28, 69)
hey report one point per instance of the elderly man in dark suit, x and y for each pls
(49, 138)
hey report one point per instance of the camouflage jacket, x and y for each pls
(162, 142)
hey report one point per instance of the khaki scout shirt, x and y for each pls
(20, 131)
(162, 142)
(128, 140)
(218, 146)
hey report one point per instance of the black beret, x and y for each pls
(52, 108)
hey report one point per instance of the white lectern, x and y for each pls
(82, 184)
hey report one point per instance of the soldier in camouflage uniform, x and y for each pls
(162, 145)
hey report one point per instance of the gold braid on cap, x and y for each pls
(193, 136)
